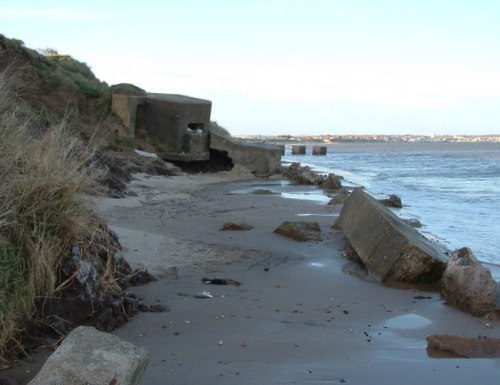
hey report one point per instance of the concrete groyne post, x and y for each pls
(298, 150)
(319, 150)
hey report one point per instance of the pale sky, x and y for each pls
(290, 66)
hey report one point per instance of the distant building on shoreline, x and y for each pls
(371, 138)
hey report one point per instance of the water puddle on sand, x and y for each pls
(309, 193)
(317, 215)
(316, 264)
(408, 322)
(308, 196)
(264, 192)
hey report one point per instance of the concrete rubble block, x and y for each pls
(298, 149)
(258, 158)
(466, 347)
(89, 357)
(468, 285)
(390, 249)
(319, 150)
(300, 231)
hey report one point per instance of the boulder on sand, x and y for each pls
(390, 249)
(231, 226)
(89, 357)
(300, 231)
(439, 345)
(392, 201)
(467, 284)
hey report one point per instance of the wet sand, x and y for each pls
(302, 314)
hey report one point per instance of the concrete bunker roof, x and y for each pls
(179, 99)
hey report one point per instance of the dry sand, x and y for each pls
(302, 314)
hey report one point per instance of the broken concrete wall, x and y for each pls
(390, 249)
(259, 158)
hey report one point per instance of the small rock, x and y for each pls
(300, 231)
(413, 222)
(332, 182)
(392, 201)
(463, 346)
(231, 226)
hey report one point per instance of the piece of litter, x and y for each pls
(203, 294)
(146, 154)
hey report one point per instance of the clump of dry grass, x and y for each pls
(43, 210)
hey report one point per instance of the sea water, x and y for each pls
(453, 189)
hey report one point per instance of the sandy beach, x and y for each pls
(303, 314)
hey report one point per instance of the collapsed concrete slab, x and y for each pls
(258, 158)
(89, 357)
(390, 249)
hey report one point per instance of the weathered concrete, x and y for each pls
(468, 285)
(89, 357)
(258, 158)
(390, 249)
(125, 107)
(319, 150)
(298, 149)
(439, 345)
(178, 124)
(300, 231)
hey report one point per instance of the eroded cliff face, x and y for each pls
(49, 88)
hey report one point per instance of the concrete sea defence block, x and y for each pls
(319, 150)
(390, 249)
(89, 357)
(298, 150)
